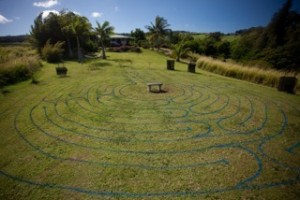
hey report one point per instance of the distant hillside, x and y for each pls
(225, 37)
(13, 39)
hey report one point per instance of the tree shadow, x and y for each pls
(98, 65)
(123, 62)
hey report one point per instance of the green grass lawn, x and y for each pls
(99, 134)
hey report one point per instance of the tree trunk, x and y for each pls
(70, 48)
(103, 51)
(78, 50)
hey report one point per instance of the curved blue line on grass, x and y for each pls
(266, 140)
(198, 135)
(251, 131)
(292, 148)
(245, 184)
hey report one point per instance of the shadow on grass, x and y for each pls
(159, 92)
(123, 62)
(184, 71)
(5, 91)
(63, 76)
(98, 65)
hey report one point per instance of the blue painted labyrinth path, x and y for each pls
(110, 138)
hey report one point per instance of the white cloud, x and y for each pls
(46, 13)
(76, 13)
(97, 14)
(4, 20)
(116, 9)
(46, 4)
(17, 18)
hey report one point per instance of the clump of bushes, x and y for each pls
(17, 63)
(52, 53)
(126, 49)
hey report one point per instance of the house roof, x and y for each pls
(120, 37)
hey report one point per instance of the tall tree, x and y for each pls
(215, 36)
(158, 31)
(275, 33)
(138, 35)
(37, 37)
(44, 29)
(104, 31)
(79, 27)
(66, 28)
(180, 49)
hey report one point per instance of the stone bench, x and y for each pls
(150, 85)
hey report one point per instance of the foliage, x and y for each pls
(243, 49)
(275, 33)
(215, 36)
(45, 29)
(194, 45)
(139, 36)
(180, 49)
(17, 63)
(224, 49)
(52, 53)
(252, 74)
(277, 44)
(213, 45)
(157, 31)
(73, 29)
(125, 49)
(80, 26)
(104, 31)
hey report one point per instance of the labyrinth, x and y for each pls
(110, 137)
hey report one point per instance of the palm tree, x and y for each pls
(104, 31)
(79, 26)
(158, 30)
(66, 28)
(180, 48)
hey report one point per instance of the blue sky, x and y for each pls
(16, 16)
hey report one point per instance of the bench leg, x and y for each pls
(159, 88)
(149, 88)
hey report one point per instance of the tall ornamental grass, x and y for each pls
(268, 77)
(17, 63)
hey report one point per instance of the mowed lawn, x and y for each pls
(99, 134)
